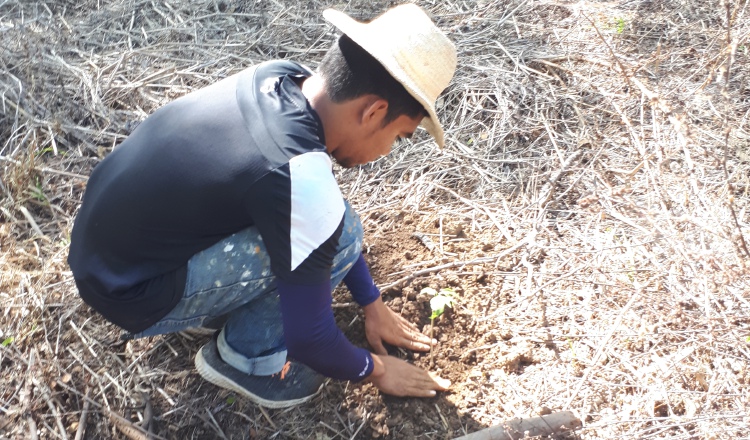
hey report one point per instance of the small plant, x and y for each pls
(441, 300)
(620, 25)
(446, 297)
(37, 193)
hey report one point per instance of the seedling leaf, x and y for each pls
(8, 341)
(429, 291)
(438, 303)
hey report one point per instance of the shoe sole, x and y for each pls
(198, 332)
(210, 374)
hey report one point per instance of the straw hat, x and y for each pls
(406, 42)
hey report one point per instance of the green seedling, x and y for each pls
(440, 300)
(8, 341)
(620, 25)
(37, 193)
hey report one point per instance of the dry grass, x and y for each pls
(608, 142)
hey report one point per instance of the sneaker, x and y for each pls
(294, 384)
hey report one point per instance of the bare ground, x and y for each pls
(590, 210)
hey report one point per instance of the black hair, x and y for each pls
(349, 72)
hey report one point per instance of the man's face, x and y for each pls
(375, 141)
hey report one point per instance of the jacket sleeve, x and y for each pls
(359, 282)
(312, 336)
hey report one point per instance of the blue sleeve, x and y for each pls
(360, 283)
(312, 336)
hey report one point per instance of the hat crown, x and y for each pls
(413, 50)
(418, 46)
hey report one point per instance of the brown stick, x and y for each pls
(133, 430)
(531, 427)
(26, 400)
(611, 51)
(455, 264)
(728, 129)
(84, 415)
(128, 428)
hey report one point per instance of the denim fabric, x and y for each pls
(234, 278)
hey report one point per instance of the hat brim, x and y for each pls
(361, 35)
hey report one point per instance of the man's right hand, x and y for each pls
(396, 377)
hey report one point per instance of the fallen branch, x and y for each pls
(84, 415)
(611, 51)
(532, 427)
(26, 400)
(549, 189)
(46, 395)
(32, 222)
(454, 264)
(603, 345)
(148, 417)
(131, 430)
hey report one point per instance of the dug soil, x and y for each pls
(398, 246)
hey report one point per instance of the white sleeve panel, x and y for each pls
(317, 204)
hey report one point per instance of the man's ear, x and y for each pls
(374, 111)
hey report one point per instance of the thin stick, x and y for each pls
(216, 425)
(611, 51)
(32, 428)
(47, 170)
(361, 425)
(84, 415)
(48, 399)
(32, 222)
(148, 417)
(728, 129)
(604, 343)
(116, 419)
(130, 429)
(432, 327)
(532, 427)
(482, 260)
(267, 417)
(26, 400)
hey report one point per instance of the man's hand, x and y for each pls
(384, 325)
(396, 377)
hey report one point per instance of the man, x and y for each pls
(222, 209)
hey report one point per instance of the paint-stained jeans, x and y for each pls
(233, 278)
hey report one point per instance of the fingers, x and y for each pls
(442, 384)
(423, 339)
(404, 379)
(421, 342)
(400, 332)
(413, 344)
(378, 347)
(405, 323)
(426, 385)
(421, 392)
(414, 340)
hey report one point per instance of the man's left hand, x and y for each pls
(384, 325)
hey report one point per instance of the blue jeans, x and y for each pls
(234, 278)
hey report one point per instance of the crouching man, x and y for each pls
(222, 207)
